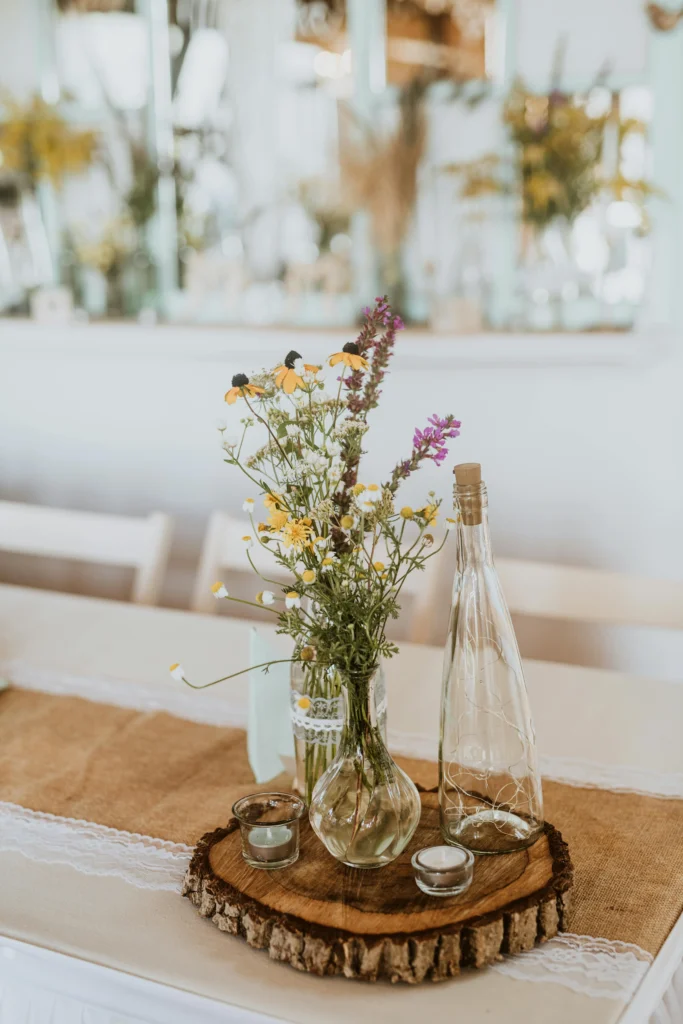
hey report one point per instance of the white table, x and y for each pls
(155, 960)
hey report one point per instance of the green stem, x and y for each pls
(233, 675)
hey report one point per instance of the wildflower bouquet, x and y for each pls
(344, 542)
(557, 158)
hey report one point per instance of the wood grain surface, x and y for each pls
(323, 917)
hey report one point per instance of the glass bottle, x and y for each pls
(489, 787)
(364, 808)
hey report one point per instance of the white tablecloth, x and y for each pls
(99, 949)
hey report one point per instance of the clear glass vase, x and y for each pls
(364, 808)
(317, 712)
(489, 786)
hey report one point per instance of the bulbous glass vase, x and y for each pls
(364, 808)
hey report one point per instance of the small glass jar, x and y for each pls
(269, 827)
(317, 712)
(443, 870)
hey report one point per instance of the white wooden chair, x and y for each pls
(550, 591)
(223, 549)
(142, 544)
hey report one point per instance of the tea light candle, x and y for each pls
(443, 870)
(269, 828)
(270, 844)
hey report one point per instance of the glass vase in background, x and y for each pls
(317, 711)
(489, 786)
(364, 808)
(547, 275)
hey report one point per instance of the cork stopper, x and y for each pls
(470, 493)
(468, 473)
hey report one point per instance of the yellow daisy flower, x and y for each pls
(303, 702)
(358, 489)
(288, 376)
(378, 566)
(278, 518)
(241, 388)
(407, 512)
(430, 513)
(347, 522)
(350, 356)
(295, 534)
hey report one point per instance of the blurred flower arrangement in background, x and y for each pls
(557, 158)
(38, 144)
(346, 544)
(379, 168)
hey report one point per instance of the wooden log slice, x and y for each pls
(323, 917)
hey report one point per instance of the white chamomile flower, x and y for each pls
(372, 493)
(248, 541)
(292, 430)
(219, 590)
(248, 505)
(451, 524)
(328, 562)
(333, 448)
(309, 576)
(266, 597)
(177, 672)
(292, 600)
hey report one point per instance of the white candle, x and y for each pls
(265, 838)
(441, 858)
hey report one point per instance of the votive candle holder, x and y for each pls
(443, 870)
(269, 829)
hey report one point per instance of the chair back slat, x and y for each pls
(139, 543)
(572, 593)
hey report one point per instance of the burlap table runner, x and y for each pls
(172, 779)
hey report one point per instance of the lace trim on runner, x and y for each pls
(594, 967)
(210, 710)
(619, 778)
(141, 861)
(182, 702)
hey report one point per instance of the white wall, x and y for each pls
(19, 47)
(583, 463)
